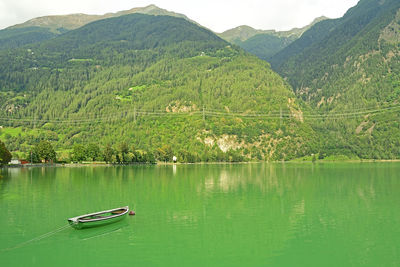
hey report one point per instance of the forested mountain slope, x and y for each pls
(348, 70)
(264, 44)
(158, 83)
(47, 27)
(12, 38)
(62, 23)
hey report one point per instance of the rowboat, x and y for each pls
(98, 218)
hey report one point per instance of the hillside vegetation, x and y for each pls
(157, 83)
(47, 27)
(265, 46)
(12, 38)
(264, 43)
(149, 87)
(348, 71)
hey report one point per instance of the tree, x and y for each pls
(164, 153)
(5, 155)
(45, 151)
(108, 153)
(138, 156)
(92, 151)
(150, 158)
(123, 150)
(78, 153)
(34, 155)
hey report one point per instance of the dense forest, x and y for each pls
(155, 83)
(12, 38)
(47, 27)
(266, 45)
(348, 71)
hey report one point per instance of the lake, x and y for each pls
(292, 214)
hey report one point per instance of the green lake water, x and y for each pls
(342, 214)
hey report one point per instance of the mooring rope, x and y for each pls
(102, 234)
(36, 238)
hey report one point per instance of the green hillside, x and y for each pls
(12, 38)
(348, 71)
(61, 23)
(157, 83)
(264, 44)
(47, 27)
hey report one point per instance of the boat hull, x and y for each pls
(96, 219)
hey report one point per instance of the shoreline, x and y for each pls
(100, 164)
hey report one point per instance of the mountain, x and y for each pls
(264, 44)
(47, 27)
(347, 69)
(241, 33)
(244, 32)
(167, 86)
(11, 38)
(61, 23)
(157, 83)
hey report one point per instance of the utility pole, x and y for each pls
(134, 114)
(204, 114)
(280, 117)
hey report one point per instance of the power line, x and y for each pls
(205, 112)
(277, 113)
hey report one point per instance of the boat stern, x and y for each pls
(74, 222)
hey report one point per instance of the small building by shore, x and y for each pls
(15, 162)
(18, 162)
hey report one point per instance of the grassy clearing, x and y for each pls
(7, 132)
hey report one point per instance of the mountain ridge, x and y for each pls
(350, 65)
(48, 27)
(74, 21)
(265, 44)
(244, 32)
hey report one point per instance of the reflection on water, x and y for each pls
(100, 231)
(236, 215)
(174, 169)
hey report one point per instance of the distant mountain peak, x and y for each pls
(74, 21)
(316, 20)
(244, 32)
(151, 6)
(241, 33)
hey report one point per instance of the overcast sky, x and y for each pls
(217, 15)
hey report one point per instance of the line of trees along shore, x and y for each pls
(121, 153)
(124, 153)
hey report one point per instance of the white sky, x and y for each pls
(217, 15)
